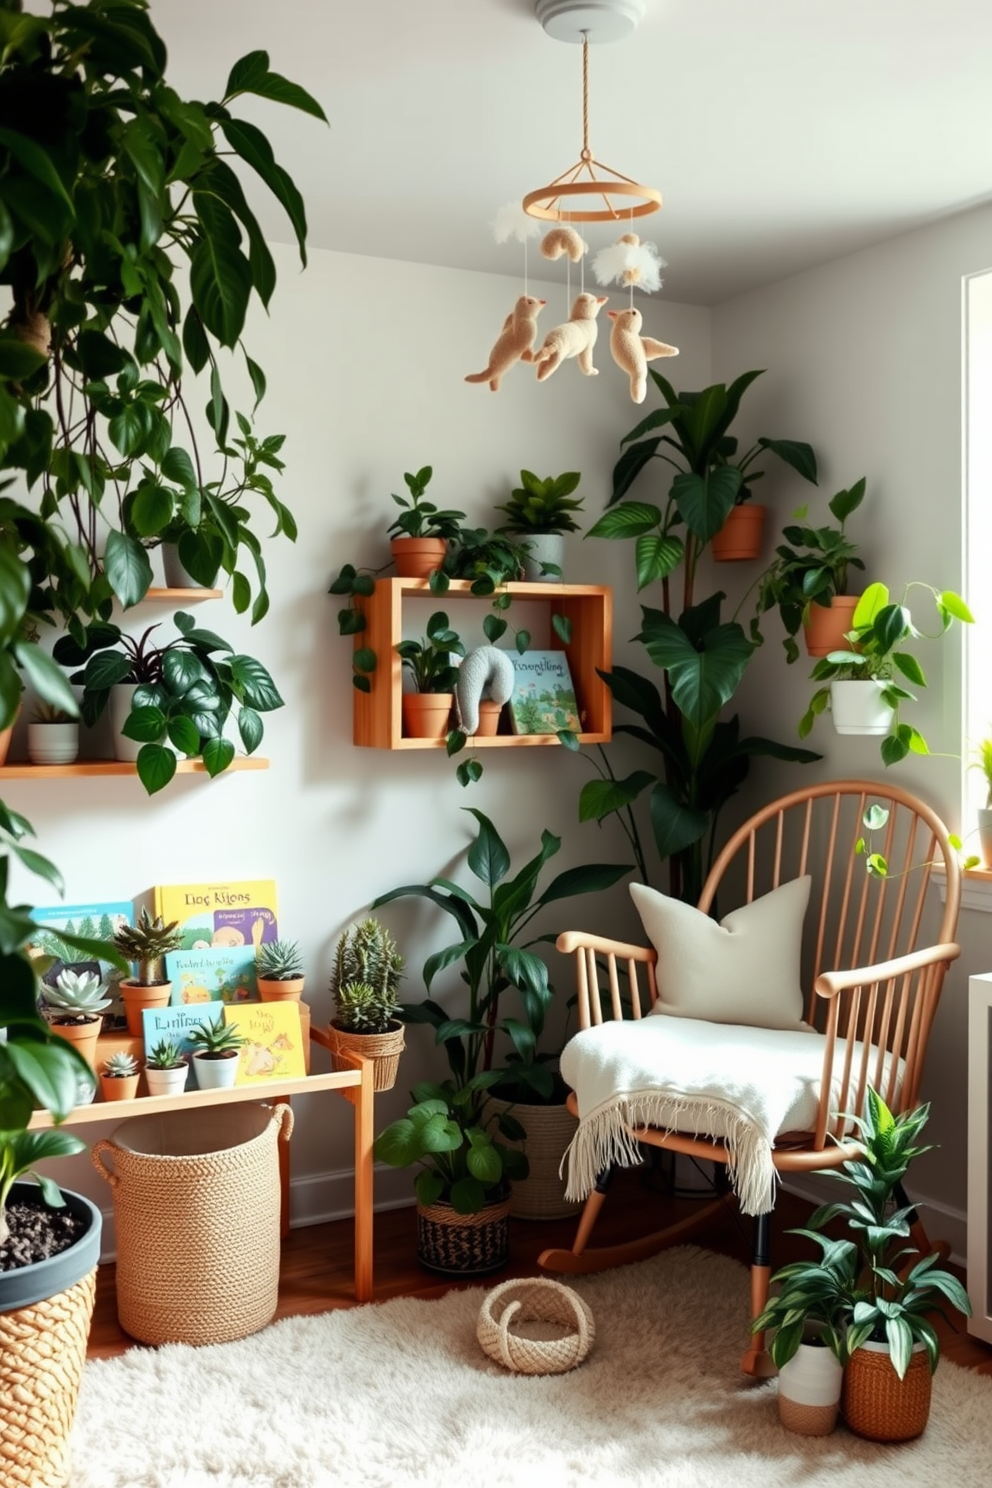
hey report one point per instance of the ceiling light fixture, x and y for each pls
(584, 192)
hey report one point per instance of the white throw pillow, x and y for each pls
(746, 969)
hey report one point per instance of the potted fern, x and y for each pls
(146, 945)
(364, 985)
(279, 971)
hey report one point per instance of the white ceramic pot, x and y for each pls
(809, 1388)
(166, 1081)
(215, 1074)
(543, 547)
(53, 743)
(985, 835)
(858, 707)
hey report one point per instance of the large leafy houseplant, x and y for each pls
(702, 759)
(449, 1131)
(108, 180)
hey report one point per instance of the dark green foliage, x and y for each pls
(543, 505)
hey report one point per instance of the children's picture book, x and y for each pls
(543, 700)
(220, 914)
(94, 921)
(174, 1023)
(273, 1047)
(226, 973)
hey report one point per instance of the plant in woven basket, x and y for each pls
(78, 995)
(146, 945)
(363, 1008)
(865, 1289)
(365, 978)
(215, 1040)
(279, 961)
(120, 1066)
(165, 1054)
(19, 1151)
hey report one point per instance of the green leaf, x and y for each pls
(258, 689)
(152, 509)
(703, 679)
(629, 519)
(184, 734)
(675, 826)
(46, 677)
(251, 75)
(487, 857)
(195, 343)
(217, 755)
(598, 798)
(955, 605)
(254, 149)
(592, 878)
(250, 728)
(220, 275)
(657, 556)
(127, 567)
(156, 767)
(145, 725)
(705, 501)
(17, 359)
(795, 453)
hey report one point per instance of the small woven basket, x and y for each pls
(538, 1300)
(877, 1404)
(464, 1244)
(383, 1049)
(197, 1210)
(42, 1353)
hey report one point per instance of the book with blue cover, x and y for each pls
(224, 973)
(543, 699)
(175, 1023)
(95, 921)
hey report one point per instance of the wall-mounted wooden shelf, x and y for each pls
(189, 595)
(378, 714)
(26, 771)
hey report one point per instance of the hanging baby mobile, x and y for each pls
(627, 261)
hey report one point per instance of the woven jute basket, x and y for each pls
(877, 1404)
(541, 1195)
(383, 1049)
(196, 1207)
(464, 1244)
(42, 1353)
(555, 1308)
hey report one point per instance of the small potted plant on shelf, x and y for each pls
(427, 709)
(421, 530)
(364, 986)
(166, 1068)
(865, 686)
(807, 582)
(216, 1047)
(982, 760)
(539, 512)
(146, 946)
(279, 971)
(119, 1075)
(53, 736)
(74, 1007)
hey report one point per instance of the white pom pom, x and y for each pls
(511, 221)
(629, 261)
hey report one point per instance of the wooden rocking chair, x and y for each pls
(880, 991)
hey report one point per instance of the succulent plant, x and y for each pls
(279, 961)
(362, 1008)
(215, 1038)
(77, 992)
(120, 1066)
(366, 952)
(166, 1054)
(50, 713)
(146, 944)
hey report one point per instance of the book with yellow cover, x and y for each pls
(273, 1048)
(220, 914)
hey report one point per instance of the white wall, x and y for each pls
(865, 359)
(365, 361)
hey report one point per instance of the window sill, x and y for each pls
(976, 888)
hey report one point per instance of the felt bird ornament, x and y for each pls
(514, 342)
(563, 240)
(629, 261)
(576, 338)
(632, 351)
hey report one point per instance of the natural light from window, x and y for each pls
(977, 529)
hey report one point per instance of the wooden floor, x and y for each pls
(316, 1273)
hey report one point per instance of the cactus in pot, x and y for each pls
(146, 945)
(279, 971)
(364, 985)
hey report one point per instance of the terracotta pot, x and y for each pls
(383, 1051)
(489, 714)
(136, 998)
(879, 1405)
(119, 1087)
(83, 1035)
(857, 707)
(417, 557)
(5, 738)
(740, 536)
(827, 626)
(288, 990)
(426, 714)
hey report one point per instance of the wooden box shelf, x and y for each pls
(23, 770)
(378, 720)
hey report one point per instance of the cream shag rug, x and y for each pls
(400, 1395)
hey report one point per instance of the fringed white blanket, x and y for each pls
(740, 1085)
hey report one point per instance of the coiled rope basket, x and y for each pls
(537, 1300)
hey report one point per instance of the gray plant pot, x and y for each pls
(176, 576)
(543, 547)
(30, 1284)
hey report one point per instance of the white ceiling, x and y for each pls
(781, 133)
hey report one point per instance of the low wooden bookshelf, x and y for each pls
(23, 770)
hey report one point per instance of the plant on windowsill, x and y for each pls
(279, 971)
(216, 1049)
(865, 686)
(365, 982)
(427, 709)
(539, 513)
(181, 695)
(146, 945)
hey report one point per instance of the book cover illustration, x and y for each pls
(174, 1023)
(94, 921)
(543, 700)
(215, 973)
(220, 914)
(273, 1047)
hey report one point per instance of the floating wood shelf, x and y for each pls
(168, 595)
(378, 722)
(27, 771)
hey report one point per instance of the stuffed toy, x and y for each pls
(632, 351)
(487, 667)
(629, 261)
(576, 338)
(563, 240)
(513, 343)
